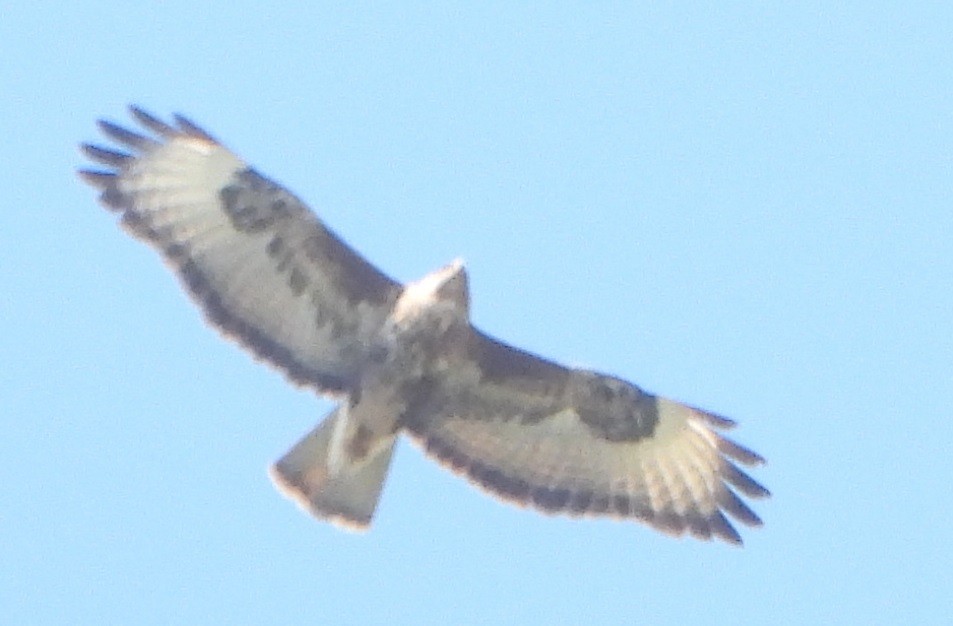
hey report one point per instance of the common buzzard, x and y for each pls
(405, 359)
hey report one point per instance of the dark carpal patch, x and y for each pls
(254, 203)
(614, 409)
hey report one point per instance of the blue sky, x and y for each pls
(745, 208)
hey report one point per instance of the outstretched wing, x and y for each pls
(259, 263)
(548, 437)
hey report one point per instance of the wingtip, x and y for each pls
(151, 122)
(105, 156)
(739, 452)
(740, 480)
(718, 421)
(730, 503)
(722, 529)
(96, 178)
(191, 128)
(126, 137)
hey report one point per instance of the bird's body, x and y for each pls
(406, 358)
(419, 343)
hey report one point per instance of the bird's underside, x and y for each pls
(405, 359)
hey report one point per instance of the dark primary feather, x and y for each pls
(154, 124)
(192, 129)
(127, 137)
(742, 481)
(104, 156)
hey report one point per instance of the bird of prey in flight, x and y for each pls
(405, 358)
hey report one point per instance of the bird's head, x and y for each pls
(442, 295)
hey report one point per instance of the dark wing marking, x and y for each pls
(518, 432)
(259, 263)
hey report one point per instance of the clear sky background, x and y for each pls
(745, 208)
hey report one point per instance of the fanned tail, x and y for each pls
(337, 487)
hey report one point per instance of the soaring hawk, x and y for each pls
(404, 358)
